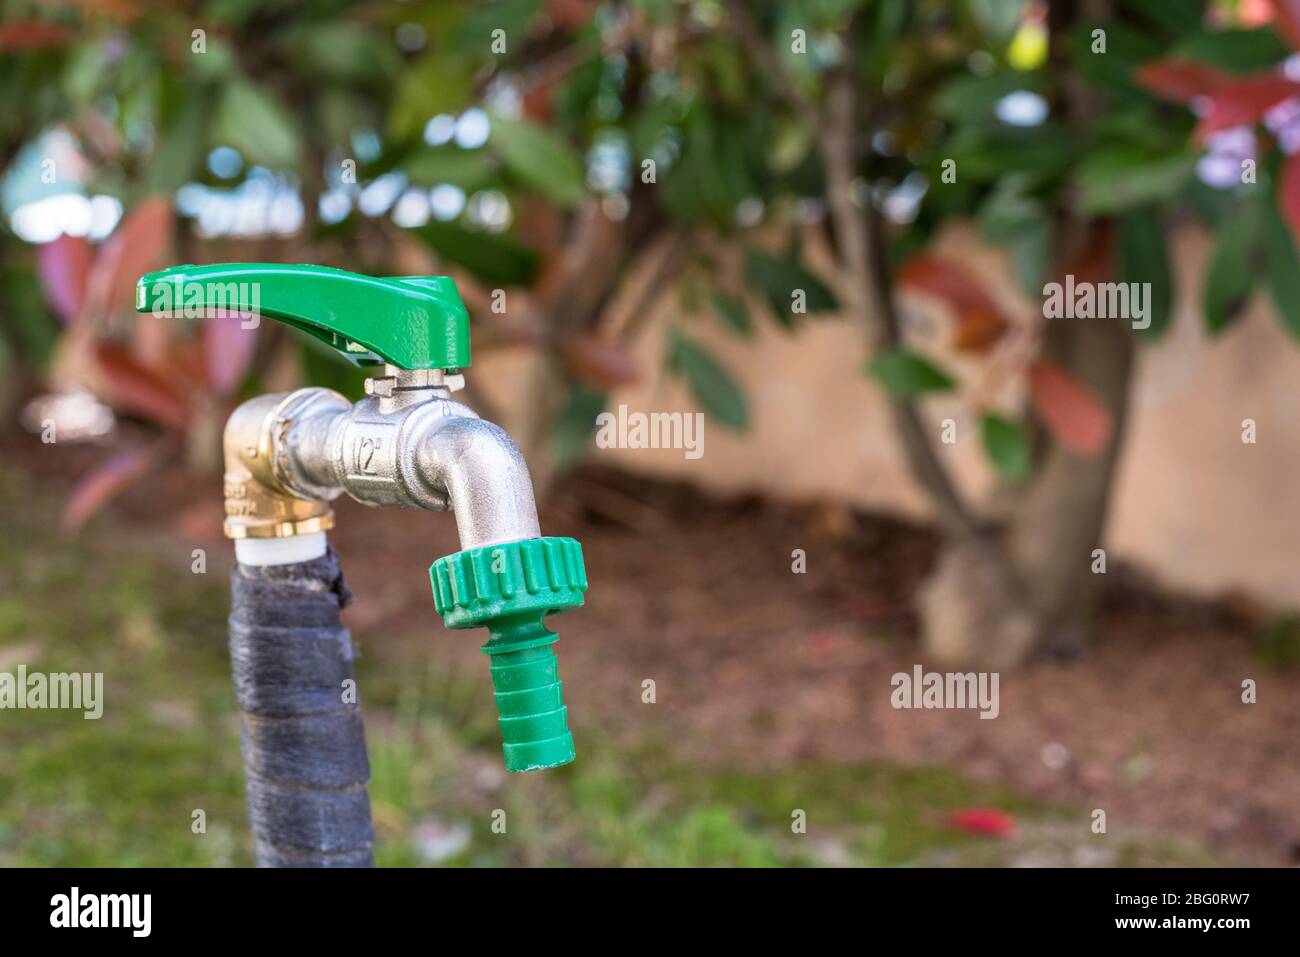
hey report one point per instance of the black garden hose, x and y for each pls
(304, 747)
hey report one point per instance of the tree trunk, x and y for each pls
(531, 420)
(995, 599)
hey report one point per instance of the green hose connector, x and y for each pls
(510, 588)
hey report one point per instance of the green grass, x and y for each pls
(124, 790)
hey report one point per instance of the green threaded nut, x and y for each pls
(510, 588)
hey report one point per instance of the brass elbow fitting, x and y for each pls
(258, 505)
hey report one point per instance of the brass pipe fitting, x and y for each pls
(258, 505)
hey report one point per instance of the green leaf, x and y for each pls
(576, 99)
(1009, 209)
(997, 18)
(539, 159)
(886, 21)
(1145, 259)
(437, 83)
(905, 373)
(1006, 445)
(181, 148)
(779, 277)
(1177, 17)
(712, 175)
(1126, 47)
(433, 166)
(658, 12)
(346, 51)
(1283, 270)
(1030, 253)
(1119, 179)
(1012, 218)
(255, 123)
(492, 257)
(85, 70)
(647, 128)
(985, 154)
(573, 428)
(790, 145)
(716, 65)
(971, 97)
(731, 310)
(1143, 127)
(1240, 51)
(1231, 274)
(215, 65)
(711, 384)
(340, 112)
(34, 329)
(510, 16)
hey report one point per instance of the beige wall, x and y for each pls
(1194, 506)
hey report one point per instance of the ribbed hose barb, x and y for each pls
(510, 588)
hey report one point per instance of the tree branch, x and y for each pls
(672, 261)
(860, 235)
(860, 238)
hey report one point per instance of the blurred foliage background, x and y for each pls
(547, 153)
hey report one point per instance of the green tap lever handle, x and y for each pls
(411, 322)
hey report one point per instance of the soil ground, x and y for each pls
(776, 684)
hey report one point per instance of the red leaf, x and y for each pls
(94, 490)
(1289, 194)
(978, 329)
(64, 266)
(138, 245)
(1070, 410)
(979, 320)
(1233, 100)
(596, 363)
(228, 349)
(33, 34)
(1182, 80)
(134, 387)
(1094, 260)
(1242, 100)
(538, 102)
(985, 821)
(569, 13)
(1287, 14)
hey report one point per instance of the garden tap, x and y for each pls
(407, 443)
